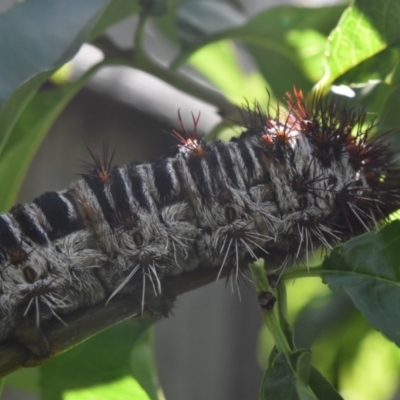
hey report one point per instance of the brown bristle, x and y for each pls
(266, 139)
(282, 137)
(189, 140)
(100, 167)
(197, 150)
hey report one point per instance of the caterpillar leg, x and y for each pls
(34, 339)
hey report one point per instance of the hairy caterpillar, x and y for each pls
(293, 181)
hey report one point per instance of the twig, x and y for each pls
(84, 323)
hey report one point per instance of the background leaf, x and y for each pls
(143, 365)
(282, 381)
(98, 367)
(287, 43)
(321, 387)
(41, 49)
(116, 11)
(28, 46)
(198, 21)
(28, 133)
(68, 23)
(367, 268)
(26, 379)
(366, 29)
(219, 63)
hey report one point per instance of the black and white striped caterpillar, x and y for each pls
(292, 182)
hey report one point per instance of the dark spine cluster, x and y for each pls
(294, 181)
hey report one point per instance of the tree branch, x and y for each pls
(87, 322)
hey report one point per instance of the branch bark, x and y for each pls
(87, 322)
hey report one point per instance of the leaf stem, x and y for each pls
(283, 313)
(303, 272)
(269, 311)
(273, 324)
(139, 35)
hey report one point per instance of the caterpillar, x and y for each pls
(297, 179)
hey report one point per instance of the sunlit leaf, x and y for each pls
(220, 64)
(376, 362)
(120, 388)
(367, 28)
(25, 379)
(336, 348)
(375, 68)
(286, 42)
(99, 365)
(143, 365)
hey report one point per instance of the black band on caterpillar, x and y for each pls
(290, 183)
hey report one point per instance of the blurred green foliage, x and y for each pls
(354, 45)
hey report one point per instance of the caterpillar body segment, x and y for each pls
(292, 182)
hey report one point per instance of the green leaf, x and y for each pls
(154, 7)
(41, 54)
(42, 47)
(396, 75)
(366, 29)
(121, 388)
(219, 63)
(376, 362)
(143, 365)
(198, 21)
(286, 42)
(28, 133)
(168, 22)
(26, 379)
(321, 387)
(321, 315)
(97, 368)
(373, 68)
(28, 46)
(283, 381)
(116, 11)
(368, 269)
(390, 117)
